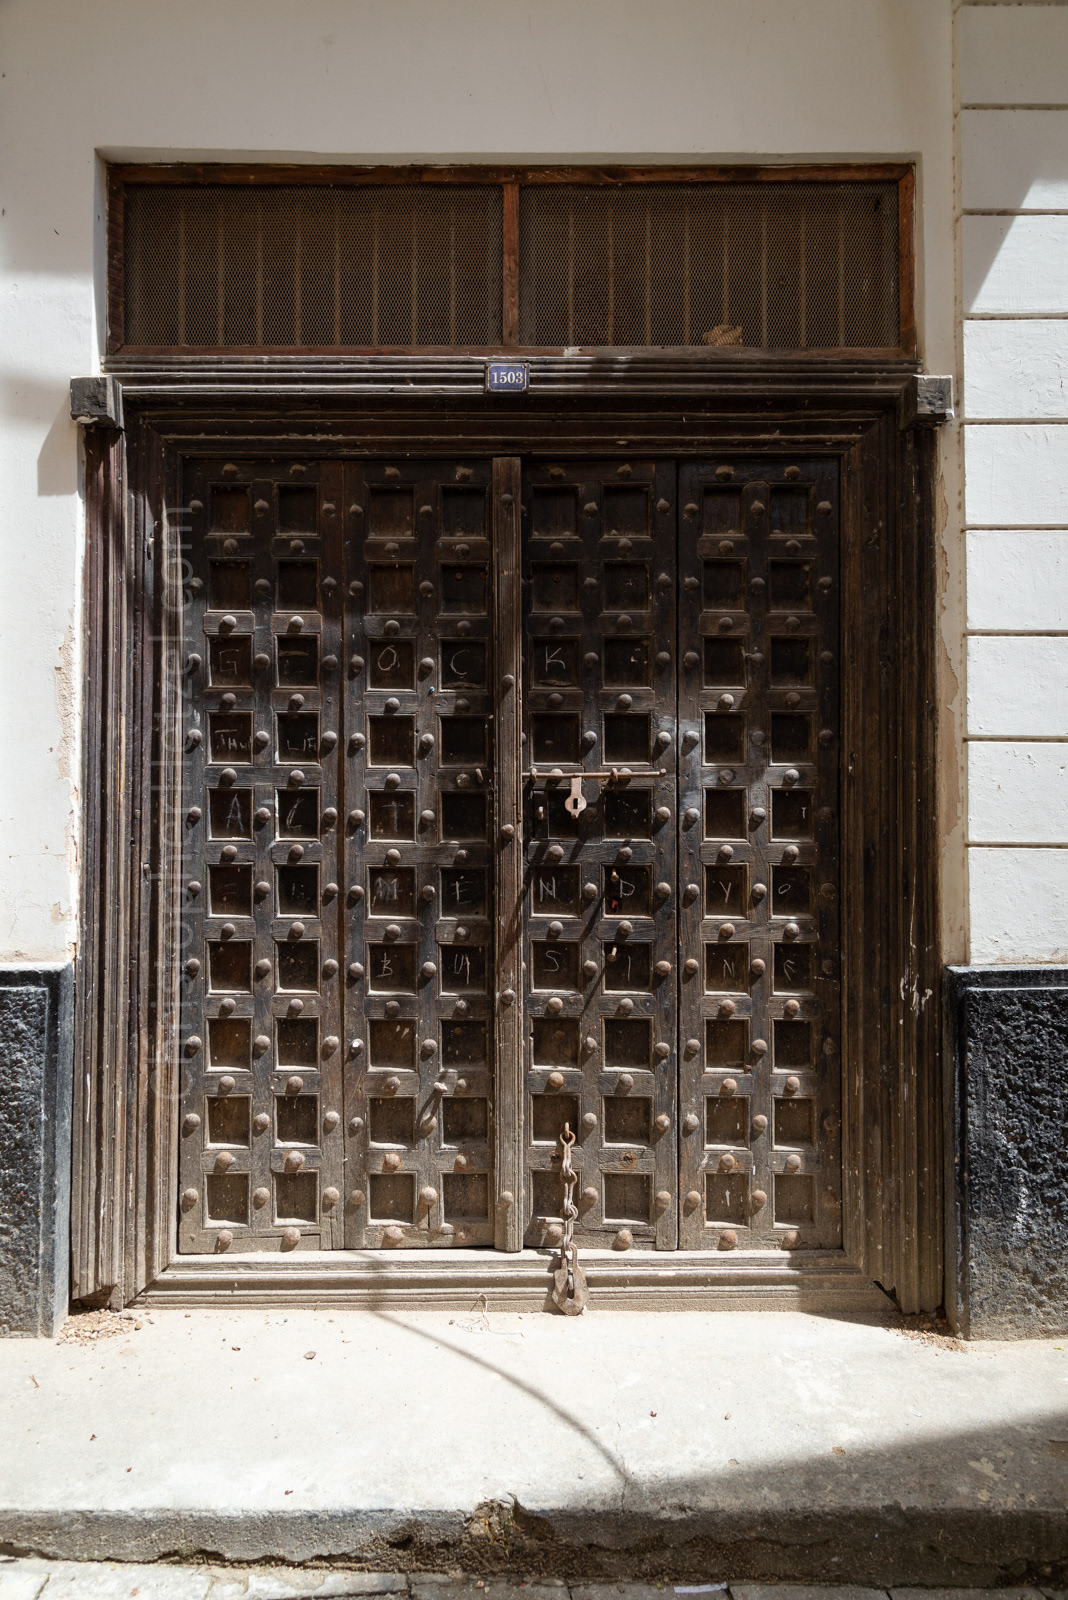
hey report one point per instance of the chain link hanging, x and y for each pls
(570, 1293)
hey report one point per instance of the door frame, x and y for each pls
(858, 409)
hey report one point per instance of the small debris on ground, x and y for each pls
(929, 1329)
(82, 1327)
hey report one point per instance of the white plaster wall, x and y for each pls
(411, 80)
(1013, 60)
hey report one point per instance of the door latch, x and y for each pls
(575, 803)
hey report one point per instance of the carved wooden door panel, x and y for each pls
(600, 915)
(337, 969)
(261, 1142)
(760, 1071)
(420, 882)
(472, 852)
(720, 897)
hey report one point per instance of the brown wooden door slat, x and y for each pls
(760, 1023)
(600, 933)
(419, 764)
(509, 834)
(261, 1048)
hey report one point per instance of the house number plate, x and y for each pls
(507, 377)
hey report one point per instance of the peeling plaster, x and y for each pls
(66, 704)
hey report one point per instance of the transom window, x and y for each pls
(343, 259)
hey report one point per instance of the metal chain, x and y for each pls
(570, 1293)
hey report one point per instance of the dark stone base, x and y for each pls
(1006, 1033)
(36, 1034)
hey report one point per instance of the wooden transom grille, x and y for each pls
(434, 262)
(786, 267)
(290, 265)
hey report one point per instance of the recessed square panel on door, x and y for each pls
(599, 901)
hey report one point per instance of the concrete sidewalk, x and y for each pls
(670, 1447)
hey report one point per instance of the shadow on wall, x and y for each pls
(1002, 238)
(27, 402)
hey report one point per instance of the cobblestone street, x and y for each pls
(70, 1580)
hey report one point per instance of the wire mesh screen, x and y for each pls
(781, 265)
(791, 266)
(311, 266)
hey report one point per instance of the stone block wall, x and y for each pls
(36, 1013)
(1006, 1042)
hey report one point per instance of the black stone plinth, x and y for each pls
(36, 1016)
(1006, 1036)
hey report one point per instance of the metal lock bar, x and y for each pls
(602, 774)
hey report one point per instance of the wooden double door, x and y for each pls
(510, 801)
